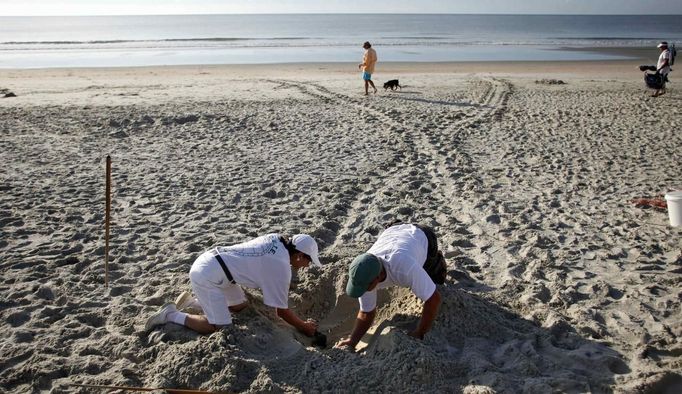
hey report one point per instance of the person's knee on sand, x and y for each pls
(239, 307)
(201, 324)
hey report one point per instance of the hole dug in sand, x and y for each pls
(475, 344)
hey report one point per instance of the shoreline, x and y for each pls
(159, 84)
(636, 56)
(571, 66)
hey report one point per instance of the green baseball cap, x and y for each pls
(363, 270)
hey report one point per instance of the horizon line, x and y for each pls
(337, 13)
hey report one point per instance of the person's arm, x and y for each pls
(362, 324)
(306, 327)
(665, 64)
(429, 313)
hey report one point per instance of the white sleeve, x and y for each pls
(422, 286)
(368, 301)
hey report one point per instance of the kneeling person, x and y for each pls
(400, 257)
(263, 263)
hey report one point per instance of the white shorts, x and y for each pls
(214, 292)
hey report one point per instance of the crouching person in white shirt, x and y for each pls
(400, 257)
(216, 277)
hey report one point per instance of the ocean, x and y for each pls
(117, 41)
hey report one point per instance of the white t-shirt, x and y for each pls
(402, 249)
(261, 263)
(665, 55)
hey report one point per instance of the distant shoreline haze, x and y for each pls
(146, 40)
(337, 13)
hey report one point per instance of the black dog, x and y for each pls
(392, 84)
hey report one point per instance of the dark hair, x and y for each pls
(288, 245)
(291, 248)
(367, 44)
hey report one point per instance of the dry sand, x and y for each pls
(557, 283)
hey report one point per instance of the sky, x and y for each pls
(156, 7)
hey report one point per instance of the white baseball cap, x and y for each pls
(306, 244)
(662, 44)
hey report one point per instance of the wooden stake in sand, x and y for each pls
(127, 388)
(106, 223)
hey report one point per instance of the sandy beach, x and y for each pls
(557, 282)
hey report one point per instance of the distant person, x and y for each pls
(404, 255)
(369, 60)
(216, 276)
(663, 67)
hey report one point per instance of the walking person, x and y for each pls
(216, 277)
(404, 255)
(663, 67)
(369, 60)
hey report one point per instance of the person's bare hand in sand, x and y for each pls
(310, 327)
(362, 324)
(307, 327)
(345, 344)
